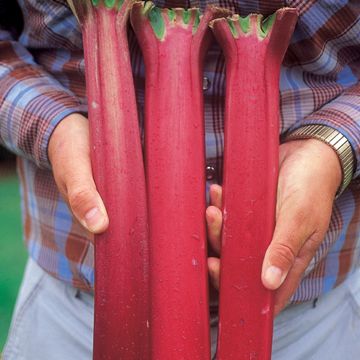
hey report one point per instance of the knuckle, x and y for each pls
(314, 241)
(80, 198)
(283, 255)
(302, 262)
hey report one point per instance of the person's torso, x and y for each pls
(322, 60)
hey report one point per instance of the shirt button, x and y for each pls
(210, 172)
(206, 83)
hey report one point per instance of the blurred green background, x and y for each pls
(12, 250)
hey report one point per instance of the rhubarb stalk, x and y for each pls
(254, 49)
(174, 42)
(121, 253)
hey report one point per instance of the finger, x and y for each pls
(288, 288)
(214, 224)
(216, 195)
(214, 271)
(294, 225)
(70, 159)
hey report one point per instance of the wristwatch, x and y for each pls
(337, 141)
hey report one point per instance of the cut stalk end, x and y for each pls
(110, 4)
(254, 24)
(81, 8)
(161, 19)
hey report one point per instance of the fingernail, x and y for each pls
(274, 277)
(94, 219)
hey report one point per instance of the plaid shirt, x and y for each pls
(42, 81)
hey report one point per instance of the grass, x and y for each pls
(12, 250)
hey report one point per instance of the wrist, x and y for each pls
(319, 164)
(65, 130)
(336, 142)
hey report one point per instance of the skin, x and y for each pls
(309, 176)
(69, 155)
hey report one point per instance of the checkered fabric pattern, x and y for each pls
(42, 81)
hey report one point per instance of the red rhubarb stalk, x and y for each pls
(121, 253)
(254, 49)
(174, 42)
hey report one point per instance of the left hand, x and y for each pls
(309, 177)
(69, 154)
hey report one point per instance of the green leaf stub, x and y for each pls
(232, 27)
(171, 14)
(186, 16)
(251, 24)
(161, 18)
(244, 24)
(157, 22)
(109, 4)
(266, 25)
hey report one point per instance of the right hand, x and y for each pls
(309, 177)
(69, 155)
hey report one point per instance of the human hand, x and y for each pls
(309, 176)
(69, 154)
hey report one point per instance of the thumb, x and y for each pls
(86, 203)
(294, 226)
(70, 159)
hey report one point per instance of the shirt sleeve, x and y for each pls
(342, 114)
(32, 102)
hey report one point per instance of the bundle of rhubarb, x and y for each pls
(151, 292)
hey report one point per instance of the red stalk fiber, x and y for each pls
(121, 253)
(254, 49)
(174, 42)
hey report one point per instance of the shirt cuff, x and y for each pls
(343, 115)
(54, 113)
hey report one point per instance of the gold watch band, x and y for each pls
(337, 141)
